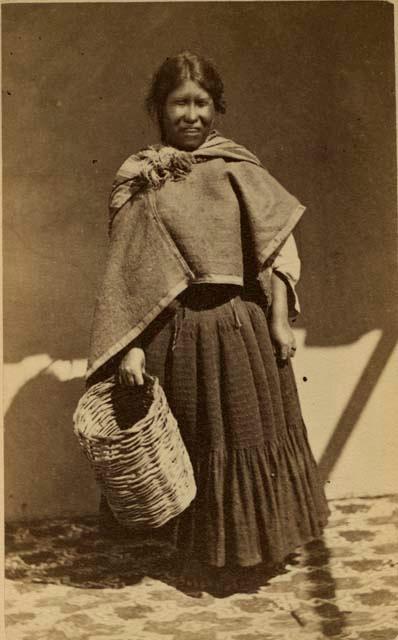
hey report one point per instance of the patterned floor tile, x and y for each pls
(65, 582)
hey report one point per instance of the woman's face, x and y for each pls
(188, 116)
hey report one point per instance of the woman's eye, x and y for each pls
(202, 103)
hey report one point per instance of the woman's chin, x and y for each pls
(188, 146)
(188, 142)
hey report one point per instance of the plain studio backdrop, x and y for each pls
(310, 89)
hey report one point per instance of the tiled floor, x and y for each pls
(66, 583)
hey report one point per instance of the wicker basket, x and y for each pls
(142, 466)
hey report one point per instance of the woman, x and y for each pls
(198, 291)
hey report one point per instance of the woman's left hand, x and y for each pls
(283, 339)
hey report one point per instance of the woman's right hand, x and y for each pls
(132, 367)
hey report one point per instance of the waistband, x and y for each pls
(206, 296)
(201, 298)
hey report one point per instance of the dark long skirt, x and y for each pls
(259, 495)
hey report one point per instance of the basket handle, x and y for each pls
(113, 378)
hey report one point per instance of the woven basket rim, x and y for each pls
(157, 389)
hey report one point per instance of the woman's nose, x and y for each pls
(191, 113)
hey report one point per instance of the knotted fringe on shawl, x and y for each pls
(149, 168)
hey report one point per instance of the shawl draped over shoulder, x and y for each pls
(175, 221)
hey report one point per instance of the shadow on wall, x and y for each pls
(39, 435)
(367, 383)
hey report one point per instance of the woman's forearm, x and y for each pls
(280, 330)
(279, 309)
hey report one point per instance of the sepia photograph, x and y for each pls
(200, 320)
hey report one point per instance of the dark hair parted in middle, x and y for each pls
(174, 71)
